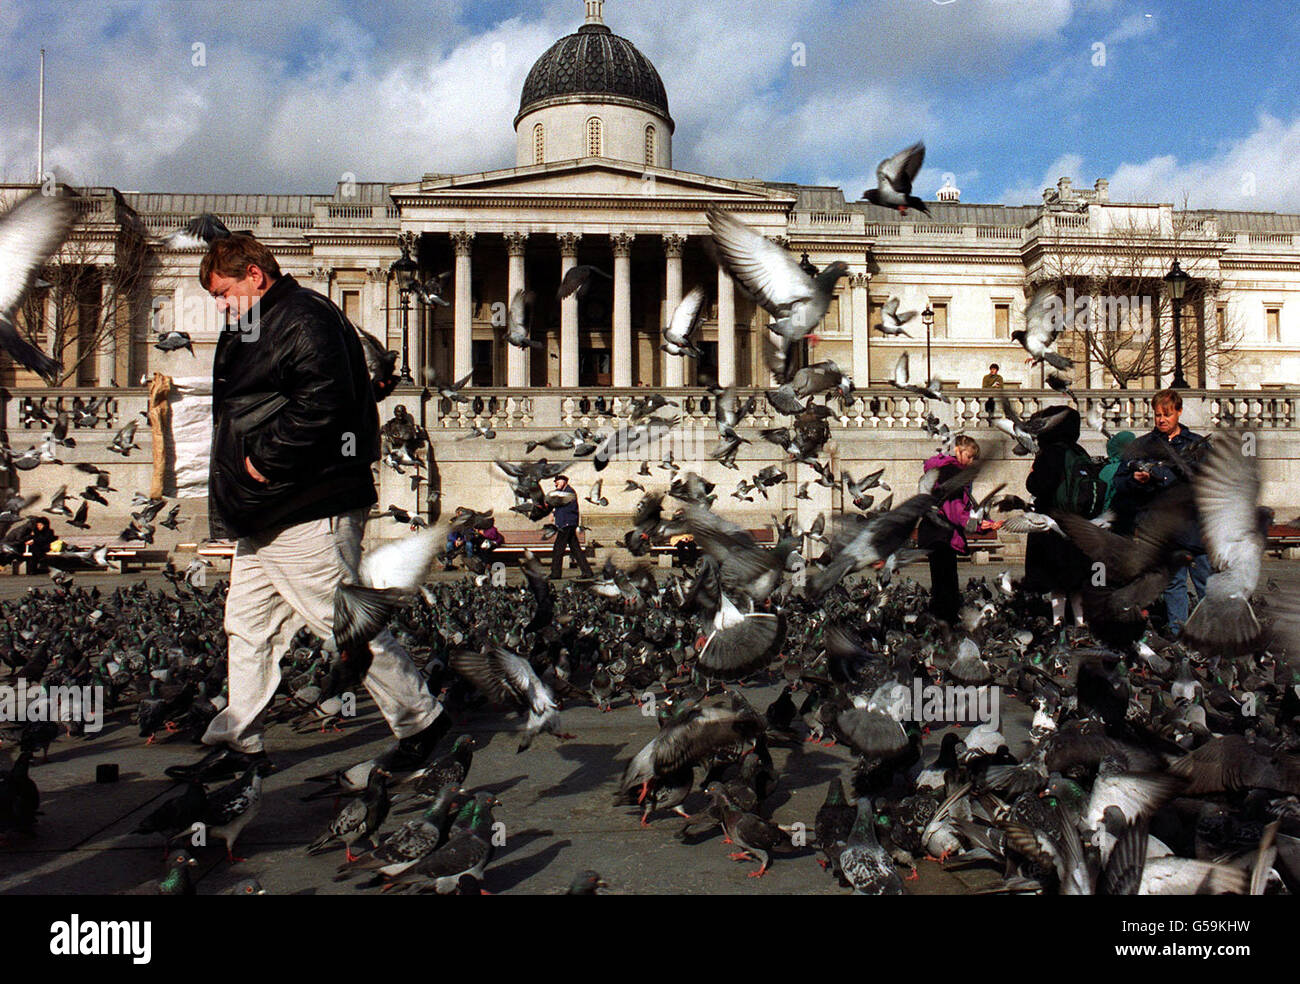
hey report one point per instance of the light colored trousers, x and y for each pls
(279, 579)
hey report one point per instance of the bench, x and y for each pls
(121, 558)
(517, 541)
(1284, 541)
(764, 537)
(982, 547)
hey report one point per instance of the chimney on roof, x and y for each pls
(1102, 190)
(1063, 186)
(949, 192)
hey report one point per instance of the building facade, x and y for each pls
(594, 184)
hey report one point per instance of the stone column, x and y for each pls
(568, 313)
(373, 297)
(1210, 341)
(51, 341)
(107, 354)
(674, 365)
(462, 358)
(726, 329)
(623, 309)
(861, 329)
(516, 358)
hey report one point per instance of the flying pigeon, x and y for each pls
(892, 320)
(578, 281)
(685, 321)
(894, 177)
(516, 329)
(30, 233)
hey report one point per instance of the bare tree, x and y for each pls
(1117, 312)
(83, 289)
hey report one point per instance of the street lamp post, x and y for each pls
(404, 272)
(1177, 279)
(927, 319)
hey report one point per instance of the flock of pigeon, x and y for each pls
(1153, 765)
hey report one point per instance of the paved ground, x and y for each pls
(556, 807)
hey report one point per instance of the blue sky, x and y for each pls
(1197, 100)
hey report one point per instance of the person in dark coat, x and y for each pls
(295, 428)
(1146, 472)
(38, 544)
(946, 539)
(1054, 565)
(564, 506)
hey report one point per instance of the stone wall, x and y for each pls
(882, 429)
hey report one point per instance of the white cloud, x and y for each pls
(1065, 166)
(1255, 173)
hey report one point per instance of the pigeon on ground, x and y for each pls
(231, 808)
(360, 818)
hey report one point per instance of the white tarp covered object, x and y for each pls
(190, 400)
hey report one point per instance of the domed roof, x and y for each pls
(594, 62)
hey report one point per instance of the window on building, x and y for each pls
(539, 144)
(1001, 320)
(1273, 323)
(595, 138)
(352, 306)
(650, 145)
(940, 329)
(874, 315)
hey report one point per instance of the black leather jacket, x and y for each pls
(291, 392)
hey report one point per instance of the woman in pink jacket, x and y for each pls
(945, 540)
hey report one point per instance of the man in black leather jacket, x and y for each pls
(295, 430)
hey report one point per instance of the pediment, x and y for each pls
(589, 178)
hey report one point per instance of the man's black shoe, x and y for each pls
(413, 752)
(220, 764)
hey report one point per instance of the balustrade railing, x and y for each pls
(33, 410)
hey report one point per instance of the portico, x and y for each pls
(645, 231)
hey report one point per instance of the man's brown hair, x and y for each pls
(233, 255)
(1170, 396)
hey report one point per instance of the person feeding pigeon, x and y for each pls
(295, 430)
(1149, 469)
(945, 540)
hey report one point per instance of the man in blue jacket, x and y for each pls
(564, 506)
(1145, 472)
